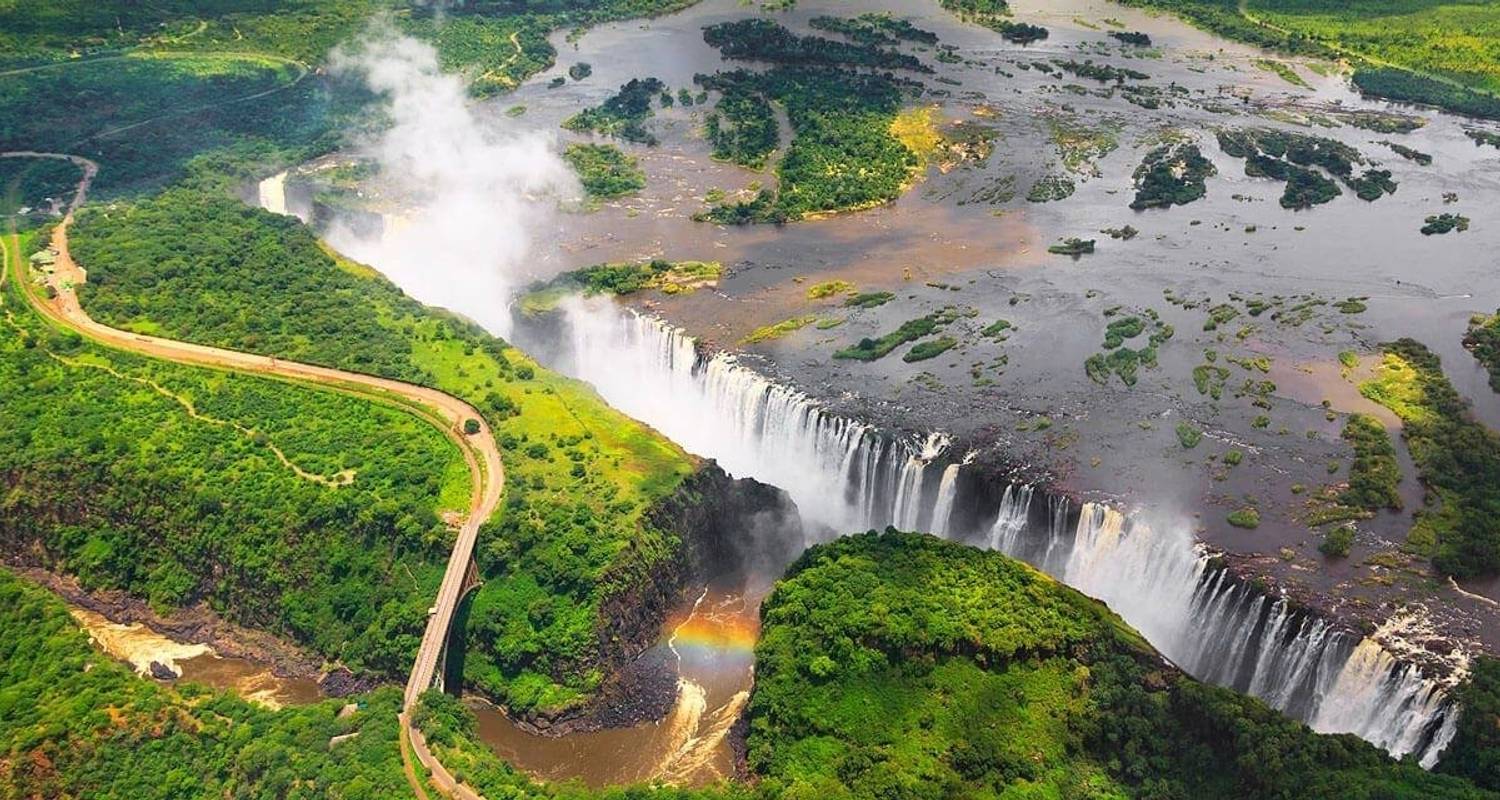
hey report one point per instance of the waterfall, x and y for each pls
(843, 474)
(846, 476)
(273, 193)
(1223, 631)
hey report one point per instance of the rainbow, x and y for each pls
(724, 633)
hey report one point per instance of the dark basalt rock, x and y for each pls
(162, 672)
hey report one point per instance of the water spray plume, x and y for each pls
(470, 191)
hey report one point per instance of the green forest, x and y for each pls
(164, 481)
(842, 156)
(112, 80)
(891, 665)
(76, 724)
(1457, 459)
(580, 477)
(898, 665)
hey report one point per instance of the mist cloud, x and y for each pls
(471, 191)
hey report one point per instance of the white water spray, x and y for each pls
(470, 191)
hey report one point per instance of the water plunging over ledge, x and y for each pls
(845, 475)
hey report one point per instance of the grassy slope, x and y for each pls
(579, 475)
(110, 479)
(75, 724)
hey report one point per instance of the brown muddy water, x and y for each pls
(139, 646)
(712, 642)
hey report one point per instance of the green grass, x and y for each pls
(826, 289)
(932, 348)
(872, 349)
(1282, 70)
(766, 333)
(869, 300)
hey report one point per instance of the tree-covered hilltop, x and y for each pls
(900, 665)
(903, 667)
(308, 513)
(580, 477)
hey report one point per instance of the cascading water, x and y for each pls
(1221, 630)
(843, 474)
(846, 476)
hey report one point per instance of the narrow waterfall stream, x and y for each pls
(846, 476)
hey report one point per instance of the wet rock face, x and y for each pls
(734, 530)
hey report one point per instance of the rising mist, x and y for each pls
(470, 191)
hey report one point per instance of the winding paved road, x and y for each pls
(445, 411)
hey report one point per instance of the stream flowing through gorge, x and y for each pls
(846, 475)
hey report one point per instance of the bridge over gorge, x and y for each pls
(447, 413)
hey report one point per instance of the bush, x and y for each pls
(1188, 436)
(604, 170)
(471, 426)
(1248, 518)
(932, 348)
(1336, 541)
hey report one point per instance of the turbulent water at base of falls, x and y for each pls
(848, 476)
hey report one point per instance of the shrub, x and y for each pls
(932, 348)
(1248, 518)
(1336, 541)
(1188, 435)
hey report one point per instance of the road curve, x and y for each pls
(449, 413)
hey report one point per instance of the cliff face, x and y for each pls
(726, 531)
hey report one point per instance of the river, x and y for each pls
(140, 647)
(712, 642)
(936, 246)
